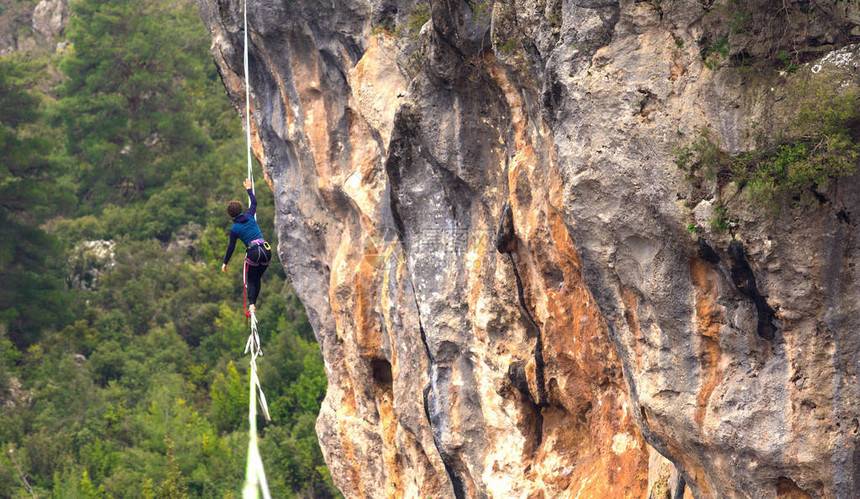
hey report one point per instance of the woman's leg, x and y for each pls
(255, 274)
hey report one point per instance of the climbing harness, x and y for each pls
(259, 243)
(255, 474)
(255, 244)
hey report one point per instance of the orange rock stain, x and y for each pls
(589, 445)
(709, 319)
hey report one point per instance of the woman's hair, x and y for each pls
(234, 208)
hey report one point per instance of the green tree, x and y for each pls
(125, 106)
(33, 296)
(229, 400)
(136, 392)
(87, 490)
(173, 486)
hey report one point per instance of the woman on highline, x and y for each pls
(258, 253)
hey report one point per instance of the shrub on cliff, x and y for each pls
(820, 143)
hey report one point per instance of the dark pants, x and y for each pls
(257, 258)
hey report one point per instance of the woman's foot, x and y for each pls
(252, 308)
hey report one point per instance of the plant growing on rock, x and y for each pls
(720, 221)
(818, 145)
(702, 155)
(481, 7)
(509, 46)
(823, 147)
(417, 18)
(714, 53)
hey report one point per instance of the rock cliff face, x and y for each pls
(482, 207)
(27, 26)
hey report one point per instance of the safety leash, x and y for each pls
(245, 290)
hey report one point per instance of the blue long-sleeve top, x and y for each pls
(244, 228)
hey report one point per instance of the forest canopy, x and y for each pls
(121, 367)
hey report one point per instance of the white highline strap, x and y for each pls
(253, 346)
(255, 474)
(248, 103)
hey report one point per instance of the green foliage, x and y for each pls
(26, 197)
(173, 486)
(797, 167)
(716, 52)
(759, 34)
(125, 105)
(787, 63)
(128, 388)
(416, 61)
(554, 14)
(297, 452)
(702, 155)
(819, 146)
(509, 46)
(823, 111)
(87, 490)
(824, 147)
(727, 28)
(385, 26)
(415, 20)
(720, 220)
(481, 8)
(229, 399)
(737, 15)
(16, 15)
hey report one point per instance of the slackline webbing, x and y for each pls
(248, 103)
(255, 474)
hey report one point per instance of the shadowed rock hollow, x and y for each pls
(482, 208)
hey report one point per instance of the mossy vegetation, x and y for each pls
(702, 156)
(507, 38)
(821, 145)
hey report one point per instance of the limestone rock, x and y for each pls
(186, 240)
(50, 17)
(88, 261)
(13, 393)
(481, 207)
(24, 28)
